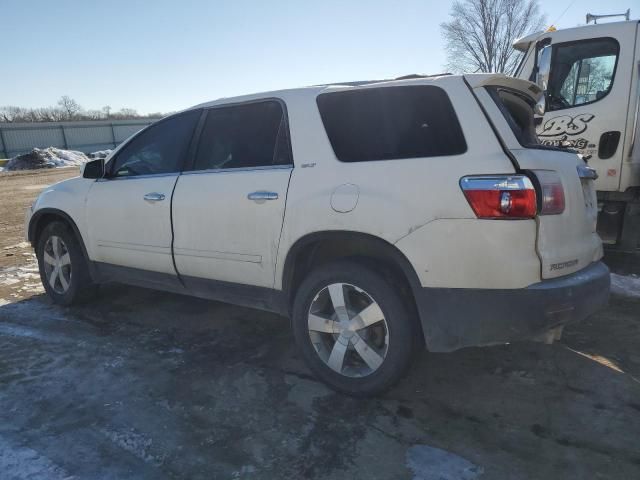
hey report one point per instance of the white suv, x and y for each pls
(379, 217)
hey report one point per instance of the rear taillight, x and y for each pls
(500, 196)
(551, 192)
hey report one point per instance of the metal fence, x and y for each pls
(86, 136)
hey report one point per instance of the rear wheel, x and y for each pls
(353, 328)
(63, 268)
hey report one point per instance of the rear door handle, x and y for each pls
(262, 195)
(154, 197)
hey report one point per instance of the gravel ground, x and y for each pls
(150, 385)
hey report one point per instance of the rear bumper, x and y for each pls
(453, 318)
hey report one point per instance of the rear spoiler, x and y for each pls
(525, 87)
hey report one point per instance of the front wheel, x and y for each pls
(353, 328)
(63, 268)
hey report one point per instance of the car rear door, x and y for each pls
(566, 239)
(129, 210)
(228, 208)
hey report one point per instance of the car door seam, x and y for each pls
(284, 216)
(173, 236)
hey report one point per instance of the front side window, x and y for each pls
(582, 72)
(244, 136)
(159, 148)
(391, 123)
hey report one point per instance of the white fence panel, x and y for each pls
(85, 136)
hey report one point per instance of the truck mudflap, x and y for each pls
(453, 318)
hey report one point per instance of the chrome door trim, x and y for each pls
(242, 169)
(134, 177)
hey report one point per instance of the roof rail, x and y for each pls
(358, 83)
(417, 75)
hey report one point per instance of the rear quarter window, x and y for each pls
(517, 110)
(391, 123)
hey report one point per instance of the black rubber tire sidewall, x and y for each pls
(81, 287)
(401, 326)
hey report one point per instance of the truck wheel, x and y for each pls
(63, 268)
(353, 328)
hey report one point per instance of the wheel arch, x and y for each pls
(318, 248)
(42, 217)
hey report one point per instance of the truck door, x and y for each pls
(588, 95)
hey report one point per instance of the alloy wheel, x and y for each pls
(57, 264)
(348, 330)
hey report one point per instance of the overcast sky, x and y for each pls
(165, 55)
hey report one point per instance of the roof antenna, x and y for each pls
(595, 18)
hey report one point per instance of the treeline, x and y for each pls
(67, 109)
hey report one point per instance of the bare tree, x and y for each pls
(67, 109)
(124, 114)
(11, 113)
(69, 106)
(93, 115)
(480, 34)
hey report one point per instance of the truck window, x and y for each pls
(581, 72)
(391, 123)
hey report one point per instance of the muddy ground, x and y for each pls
(149, 385)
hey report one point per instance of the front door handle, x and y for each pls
(262, 195)
(154, 197)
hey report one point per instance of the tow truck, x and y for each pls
(589, 75)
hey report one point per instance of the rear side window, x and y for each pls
(517, 110)
(391, 123)
(244, 136)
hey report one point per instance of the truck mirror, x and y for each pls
(541, 105)
(544, 67)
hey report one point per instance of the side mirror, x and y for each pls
(94, 169)
(541, 105)
(544, 67)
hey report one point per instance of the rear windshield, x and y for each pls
(391, 123)
(518, 112)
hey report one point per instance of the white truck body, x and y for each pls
(592, 101)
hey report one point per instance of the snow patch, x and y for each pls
(24, 279)
(99, 154)
(626, 285)
(429, 463)
(46, 158)
(135, 443)
(22, 463)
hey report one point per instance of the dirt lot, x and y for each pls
(17, 192)
(149, 385)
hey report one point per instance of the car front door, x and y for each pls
(228, 209)
(129, 210)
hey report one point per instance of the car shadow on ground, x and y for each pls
(144, 384)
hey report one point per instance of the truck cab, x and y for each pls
(590, 78)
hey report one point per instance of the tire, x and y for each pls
(59, 248)
(389, 344)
